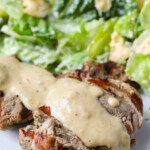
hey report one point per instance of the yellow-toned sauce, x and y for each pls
(72, 102)
(30, 82)
(113, 102)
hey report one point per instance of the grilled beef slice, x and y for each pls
(12, 112)
(47, 133)
(90, 70)
(110, 70)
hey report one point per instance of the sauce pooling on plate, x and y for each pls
(72, 102)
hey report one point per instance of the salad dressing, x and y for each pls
(72, 102)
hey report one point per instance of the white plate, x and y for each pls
(9, 139)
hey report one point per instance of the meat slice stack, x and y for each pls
(47, 133)
(12, 112)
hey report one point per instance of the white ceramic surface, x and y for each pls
(9, 139)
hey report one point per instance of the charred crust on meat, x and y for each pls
(133, 142)
(109, 70)
(128, 121)
(74, 74)
(1, 94)
(45, 109)
(12, 112)
(135, 98)
(27, 134)
(39, 137)
(25, 113)
(45, 141)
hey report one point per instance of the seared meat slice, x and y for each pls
(75, 74)
(130, 109)
(110, 70)
(90, 70)
(12, 112)
(48, 133)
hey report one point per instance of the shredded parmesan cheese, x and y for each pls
(36, 8)
(103, 5)
(119, 49)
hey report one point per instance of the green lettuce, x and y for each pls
(101, 41)
(13, 8)
(74, 9)
(69, 53)
(145, 15)
(129, 26)
(1, 42)
(3, 18)
(120, 8)
(73, 46)
(86, 10)
(72, 62)
(31, 29)
(138, 69)
(2, 22)
(79, 39)
(142, 41)
(2, 13)
(70, 35)
(29, 52)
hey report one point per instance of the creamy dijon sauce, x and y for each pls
(28, 81)
(72, 102)
(113, 102)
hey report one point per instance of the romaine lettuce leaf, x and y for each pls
(2, 22)
(72, 62)
(29, 52)
(1, 41)
(129, 26)
(120, 8)
(14, 8)
(63, 38)
(76, 61)
(73, 45)
(2, 13)
(86, 10)
(145, 15)
(79, 39)
(74, 9)
(3, 18)
(101, 41)
(138, 69)
(142, 44)
(31, 29)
